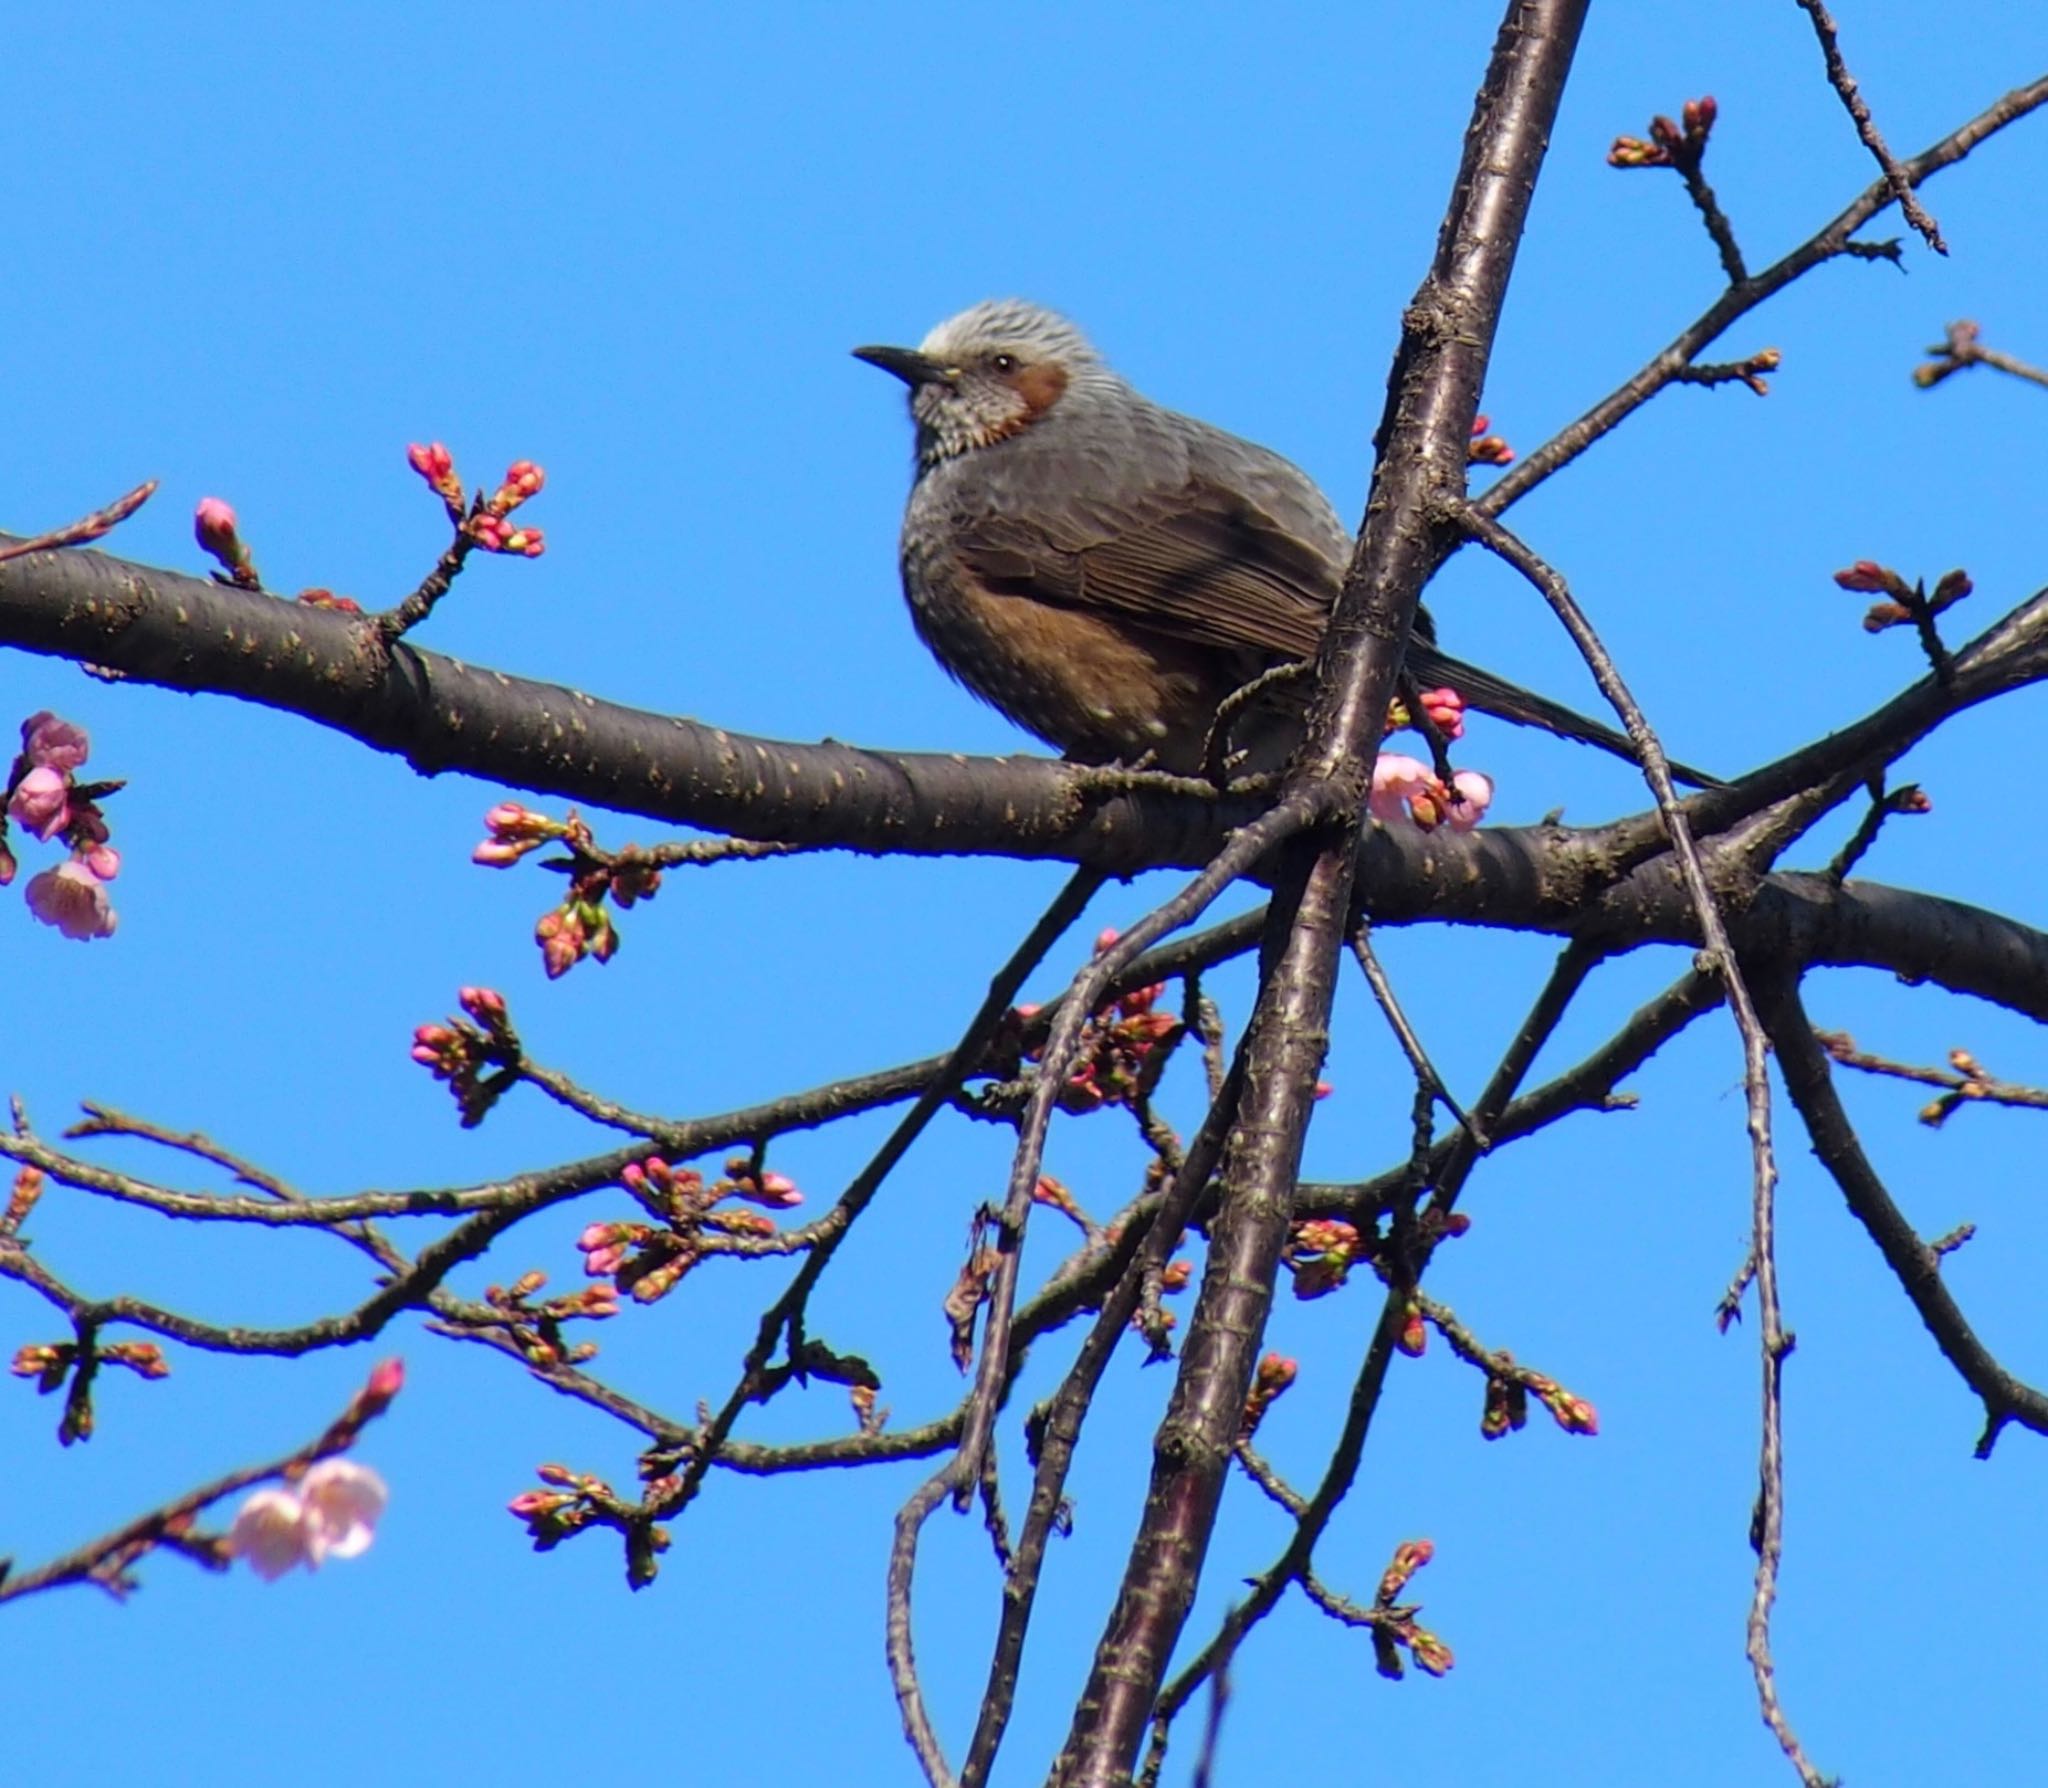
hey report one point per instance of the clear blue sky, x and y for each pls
(256, 253)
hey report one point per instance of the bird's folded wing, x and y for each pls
(1192, 562)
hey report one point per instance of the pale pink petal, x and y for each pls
(1396, 778)
(342, 1502)
(1477, 788)
(73, 899)
(272, 1533)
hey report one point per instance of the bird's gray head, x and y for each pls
(987, 374)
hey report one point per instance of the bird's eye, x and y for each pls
(1003, 363)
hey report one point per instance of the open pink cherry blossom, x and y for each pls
(330, 1513)
(73, 899)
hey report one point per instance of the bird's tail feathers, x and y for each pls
(1509, 701)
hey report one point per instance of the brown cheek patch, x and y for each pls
(1039, 386)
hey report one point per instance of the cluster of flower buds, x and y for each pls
(1444, 709)
(536, 1328)
(50, 1363)
(1486, 449)
(1395, 1627)
(1905, 604)
(1121, 1054)
(513, 830)
(436, 465)
(581, 926)
(45, 798)
(483, 523)
(1678, 145)
(1507, 1404)
(1406, 790)
(477, 1055)
(496, 535)
(1054, 1194)
(1276, 1372)
(648, 1260)
(1320, 1253)
(219, 535)
(488, 526)
(552, 1515)
(341, 605)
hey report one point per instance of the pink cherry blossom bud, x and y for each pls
(482, 1003)
(104, 861)
(55, 744)
(41, 802)
(494, 855)
(779, 1191)
(1868, 576)
(387, 1379)
(73, 899)
(1324, 1089)
(214, 527)
(432, 461)
(602, 1263)
(1476, 795)
(1446, 711)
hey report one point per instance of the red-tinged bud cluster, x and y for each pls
(570, 932)
(341, 605)
(1485, 448)
(387, 1379)
(1905, 604)
(144, 1358)
(495, 535)
(48, 1362)
(1446, 711)
(1867, 576)
(1679, 145)
(1320, 1252)
(219, 535)
(1176, 1274)
(1275, 1374)
(648, 1260)
(1123, 1048)
(868, 1417)
(513, 830)
(436, 465)
(523, 479)
(479, 1060)
(552, 1515)
(1413, 1338)
(1409, 1557)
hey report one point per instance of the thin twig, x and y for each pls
(86, 528)
(1844, 84)
(1404, 1032)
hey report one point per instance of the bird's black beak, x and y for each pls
(913, 368)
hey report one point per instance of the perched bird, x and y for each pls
(1108, 572)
